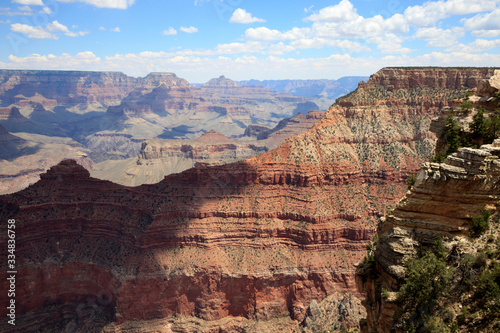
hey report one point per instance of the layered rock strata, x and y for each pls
(442, 202)
(88, 90)
(242, 245)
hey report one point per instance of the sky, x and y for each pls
(248, 39)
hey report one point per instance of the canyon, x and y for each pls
(161, 157)
(107, 116)
(256, 245)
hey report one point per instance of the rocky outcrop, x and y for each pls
(246, 244)
(395, 78)
(441, 204)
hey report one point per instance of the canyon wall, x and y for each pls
(88, 90)
(263, 243)
(440, 205)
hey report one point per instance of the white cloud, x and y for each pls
(50, 31)
(46, 10)
(479, 45)
(343, 12)
(189, 30)
(488, 21)
(116, 4)
(263, 33)
(170, 31)
(242, 16)
(430, 12)
(486, 33)
(80, 61)
(25, 8)
(390, 44)
(56, 26)
(29, 2)
(318, 43)
(436, 37)
(266, 34)
(6, 11)
(115, 29)
(279, 48)
(233, 48)
(102, 28)
(32, 32)
(337, 22)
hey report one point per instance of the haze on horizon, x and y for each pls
(243, 39)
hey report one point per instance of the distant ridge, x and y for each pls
(331, 89)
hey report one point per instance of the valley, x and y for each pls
(102, 119)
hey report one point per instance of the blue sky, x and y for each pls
(248, 39)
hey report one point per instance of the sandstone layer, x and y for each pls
(442, 202)
(222, 248)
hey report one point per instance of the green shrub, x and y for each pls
(410, 181)
(466, 106)
(480, 224)
(452, 134)
(488, 289)
(492, 128)
(439, 157)
(427, 279)
(478, 127)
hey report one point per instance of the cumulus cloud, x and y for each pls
(242, 16)
(317, 43)
(189, 30)
(430, 12)
(436, 37)
(479, 45)
(390, 44)
(484, 22)
(486, 33)
(234, 48)
(342, 12)
(170, 31)
(50, 31)
(32, 32)
(266, 34)
(115, 29)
